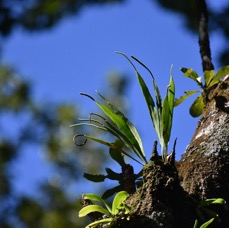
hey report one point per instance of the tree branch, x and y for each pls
(204, 42)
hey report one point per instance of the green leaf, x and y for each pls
(190, 73)
(181, 99)
(94, 197)
(208, 76)
(167, 113)
(99, 222)
(167, 117)
(111, 191)
(118, 200)
(161, 119)
(88, 124)
(154, 114)
(92, 208)
(94, 177)
(119, 144)
(197, 107)
(127, 128)
(196, 224)
(99, 140)
(111, 145)
(217, 201)
(206, 224)
(113, 175)
(221, 73)
(212, 201)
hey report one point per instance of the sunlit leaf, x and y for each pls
(127, 128)
(208, 76)
(196, 224)
(118, 200)
(197, 107)
(111, 145)
(98, 222)
(167, 111)
(155, 117)
(88, 124)
(190, 73)
(206, 224)
(94, 197)
(181, 99)
(165, 125)
(221, 73)
(92, 208)
(218, 201)
(212, 201)
(161, 114)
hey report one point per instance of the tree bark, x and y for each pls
(204, 167)
(169, 195)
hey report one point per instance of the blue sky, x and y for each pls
(79, 52)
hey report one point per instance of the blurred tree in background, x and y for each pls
(45, 126)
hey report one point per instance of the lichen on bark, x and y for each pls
(204, 167)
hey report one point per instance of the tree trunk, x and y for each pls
(169, 195)
(204, 168)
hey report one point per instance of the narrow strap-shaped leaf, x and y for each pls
(111, 145)
(131, 127)
(92, 208)
(124, 125)
(114, 131)
(155, 116)
(167, 115)
(155, 87)
(206, 224)
(165, 126)
(118, 200)
(127, 129)
(171, 97)
(211, 201)
(196, 224)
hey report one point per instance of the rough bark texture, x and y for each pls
(204, 168)
(161, 201)
(168, 197)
